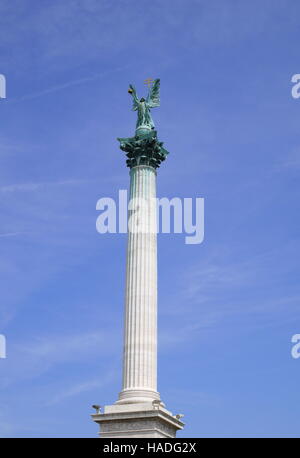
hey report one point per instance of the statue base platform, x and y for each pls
(140, 420)
(143, 149)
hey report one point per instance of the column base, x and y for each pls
(129, 396)
(140, 420)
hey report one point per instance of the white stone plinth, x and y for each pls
(139, 420)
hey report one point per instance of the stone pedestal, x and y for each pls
(140, 420)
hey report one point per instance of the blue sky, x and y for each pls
(227, 307)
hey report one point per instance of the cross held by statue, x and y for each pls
(148, 82)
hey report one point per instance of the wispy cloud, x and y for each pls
(78, 388)
(66, 85)
(170, 337)
(219, 274)
(288, 162)
(293, 160)
(61, 347)
(12, 234)
(31, 359)
(36, 186)
(217, 291)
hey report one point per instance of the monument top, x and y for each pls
(144, 148)
(143, 106)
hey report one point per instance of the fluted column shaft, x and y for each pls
(140, 330)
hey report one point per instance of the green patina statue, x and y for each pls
(144, 148)
(142, 106)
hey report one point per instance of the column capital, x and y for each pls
(143, 149)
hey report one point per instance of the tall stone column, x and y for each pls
(139, 412)
(140, 334)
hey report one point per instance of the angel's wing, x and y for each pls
(132, 91)
(153, 99)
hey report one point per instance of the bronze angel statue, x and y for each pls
(143, 107)
(144, 148)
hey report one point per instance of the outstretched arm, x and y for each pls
(132, 91)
